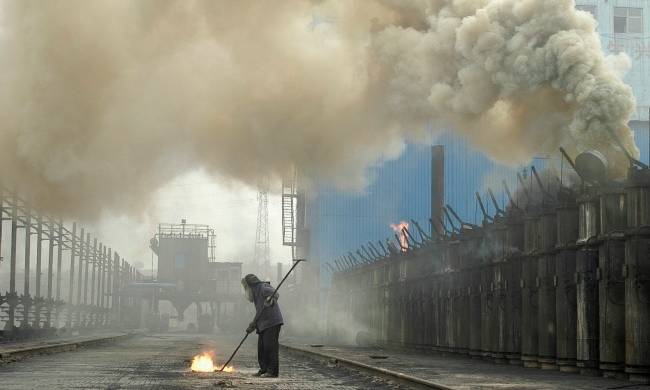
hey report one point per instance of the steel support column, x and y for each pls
(79, 304)
(73, 243)
(37, 292)
(50, 271)
(26, 288)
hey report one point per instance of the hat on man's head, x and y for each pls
(251, 280)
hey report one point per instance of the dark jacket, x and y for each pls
(269, 316)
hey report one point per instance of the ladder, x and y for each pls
(289, 206)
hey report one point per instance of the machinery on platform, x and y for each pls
(188, 273)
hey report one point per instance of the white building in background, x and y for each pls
(624, 26)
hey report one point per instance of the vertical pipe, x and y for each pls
(59, 258)
(546, 296)
(12, 264)
(80, 270)
(39, 241)
(116, 275)
(73, 243)
(637, 277)
(566, 293)
(103, 281)
(39, 250)
(50, 270)
(529, 291)
(50, 260)
(437, 185)
(28, 240)
(109, 277)
(515, 245)
(28, 243)
(611, 289)
(94, 271)
(87, 260)
(100, 284)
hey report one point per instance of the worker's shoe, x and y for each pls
(259, 373)
(269, 375)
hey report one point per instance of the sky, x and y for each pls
(229, 207)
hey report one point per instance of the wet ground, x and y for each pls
(162, 362)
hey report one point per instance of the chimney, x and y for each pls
(437, 185)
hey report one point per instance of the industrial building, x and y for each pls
(338, 222)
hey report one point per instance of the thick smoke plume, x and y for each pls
(103, 101)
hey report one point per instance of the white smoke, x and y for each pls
(103, 101)
(517, 77)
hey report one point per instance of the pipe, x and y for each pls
(480, 203)
(498, 209)
(510, 199)
(423, 236)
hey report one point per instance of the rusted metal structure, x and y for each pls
(89, 297)
(637, 275)
(587, 317)
(559, 279)
(565, 282)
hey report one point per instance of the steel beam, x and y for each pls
(12, 265)
(26, 287)
(71, 284)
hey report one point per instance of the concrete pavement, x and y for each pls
(162, 362)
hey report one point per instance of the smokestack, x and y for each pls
(437, 185)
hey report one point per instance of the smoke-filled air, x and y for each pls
(103, 101)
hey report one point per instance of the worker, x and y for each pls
(267, 323)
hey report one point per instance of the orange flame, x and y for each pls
(204, 362)
(397, 228)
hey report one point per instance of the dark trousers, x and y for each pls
(268, 349)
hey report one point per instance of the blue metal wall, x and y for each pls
(401, 190)
(340, 222)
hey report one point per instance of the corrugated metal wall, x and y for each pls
(340, 222)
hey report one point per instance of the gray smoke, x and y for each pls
(103, 101)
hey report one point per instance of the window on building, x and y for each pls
(628, 20)
(587, 8)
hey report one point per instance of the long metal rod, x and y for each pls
(71, 286)
(59, 259)
(12, 265)
(28, 248)
(94, 271)
(257, 316)
(50, 270)
(80, 270)
(486, 216)
(50, 265)
(87, 260)
(39, 251)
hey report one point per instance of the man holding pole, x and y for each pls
(268, 321)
